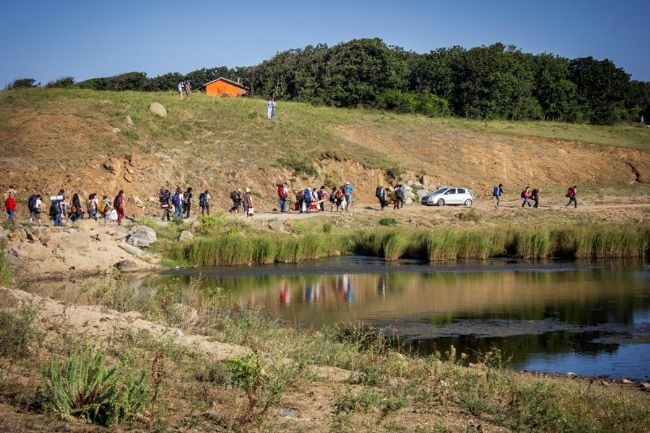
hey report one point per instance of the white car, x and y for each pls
(449, 195)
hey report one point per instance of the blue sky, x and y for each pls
(50, 39)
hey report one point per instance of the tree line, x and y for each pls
(487, 82)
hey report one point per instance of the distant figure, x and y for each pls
(571, 193)
(188, 88)
(56, 208)
(497, 193)
(187, 202)
(119, 206)
(93, 203)
(270, 108)
(322, 196)
(333, 199)
(283, 193)
(380, 193)
(165, 197)
(535, 196)
(34, 203)
(204, 202)
(525, 197)
(642, 119)
(399, 197)
(181, 87)
(10, 207)
(248, 203)
(177, 202)
(75, 210)
(348, 194)
(104, 208)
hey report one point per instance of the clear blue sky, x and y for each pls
(49, 39)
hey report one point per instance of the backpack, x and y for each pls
(186, 197)
(234, 196)
(101, 206)
(176, 199)
(54, 208)
(523, 194)
(339, 193)
(379, 192)
(496, 191)
(202, 199)
(31, 203)
(308, 194)
(116, 203)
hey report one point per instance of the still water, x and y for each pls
(554, 317)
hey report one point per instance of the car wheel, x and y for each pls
(468, 203)
(441, 202)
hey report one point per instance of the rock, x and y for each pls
(85, 225)
(158, 109)
(72, 231)
(417, 186)
(126, 266)
(426, 180)
(409, 183)
(132, 250)
(128, 120)
(116, 130)
(127, 178)
(109, 166)
(409, 200)
(138, 202)
(626, 382)
(604, 383)
(571, 375)
(29, 235)
(276, 225)
(185, 235)
(141, 236)
(645, 386)
(190, 315)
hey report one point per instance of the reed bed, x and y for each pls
(578, 242)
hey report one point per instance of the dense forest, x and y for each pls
(487, 82)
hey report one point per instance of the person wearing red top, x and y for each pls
(119, 207)
(10, 206)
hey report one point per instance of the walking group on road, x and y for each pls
(531, 198)
(388, 196)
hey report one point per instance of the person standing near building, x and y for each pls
(10, 207)
(497, 192)
(181, 87)
(119, 206)
(572, 193)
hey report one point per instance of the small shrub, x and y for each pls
(390, 222)
(85, 386)
(5, 269)
(299, 165)
(16, 331)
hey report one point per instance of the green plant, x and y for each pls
(85, 386)
(389, 222)
(17, 331)
(5, 269)
(247, 373)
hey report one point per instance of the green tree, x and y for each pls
(64, 82)
(22, 83)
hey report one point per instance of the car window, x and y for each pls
(451, 191)
(440, 191)
(461, 191)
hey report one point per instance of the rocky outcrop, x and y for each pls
(141, 236)
(158, 109)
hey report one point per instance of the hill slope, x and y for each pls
(79, 140)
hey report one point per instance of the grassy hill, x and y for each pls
(80, 140)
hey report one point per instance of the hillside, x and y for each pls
(79, 140)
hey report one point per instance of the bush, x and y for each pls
(16, 331)
(390, 222)
(5, 269)
(85, 386)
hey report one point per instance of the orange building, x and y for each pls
(223, 86)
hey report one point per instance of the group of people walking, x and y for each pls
(531, 198)
(76, 208)
(314, 199)
(181, 202)
(387, 196)
(184, 86)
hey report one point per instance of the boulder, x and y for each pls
(276, 225)
(126, 266)
(128, 120)
(141, 236)
(426, 180)
(108, 165)
(158, 109)
(132, 250)
(116, 130)
(185, 235)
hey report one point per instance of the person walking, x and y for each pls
(535, 196)
(104, 208)
(572, 193)
(204, 202)
(270, 108)
(525, 197)
(35, 204)
(56, 208)
(322, 197)
(380, 193)
(10, 207)
(399, 196)
(165, 197)
(497, 192)
(119, 206)
(348, 194)
(93, 204)
(188, 88)
(283, 193)
(181, 87)
(187, 202)
(176, 201)
(236, 198)
(75, 209)
(248, 203)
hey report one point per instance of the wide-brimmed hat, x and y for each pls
(248, 190)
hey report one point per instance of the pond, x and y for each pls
(585, 318)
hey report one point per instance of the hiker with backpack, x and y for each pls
(348, 194)
(248, 203)
(380, 193)
(236, 198)
(204, 202)
(571, 193)
(525, 197)
(283, 193)
(535, 196)
(10, 207)
(497, 192)
(93, 203)
(322, 196)
(333, 199)
(165, 198)
(399, 197)
(104, 207)
(307, 200)
(56, 207)
(119, 206)
(341, 204)
(34, 205)
(76, 213)
(176, 201)
(187, 202)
